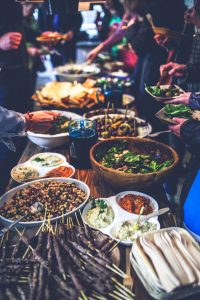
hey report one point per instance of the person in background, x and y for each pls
(34, 48)
(189, 132)
(15, 81)
(13, 58)
(134, 9)
(113, 14)
(63, 23)
(162, 13)
(188, 74)
(108, 24)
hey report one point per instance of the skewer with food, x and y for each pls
(66, 262)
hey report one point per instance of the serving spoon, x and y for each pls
(159, 133)
(35, 208)
(155, 214)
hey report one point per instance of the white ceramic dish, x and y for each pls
(10, 194)
(87, 71)
(120, 111)
(163, 99)
(143, 131)
(121, 215)
(129, 242)
(49, 140)
(43, 170)
(152, 201)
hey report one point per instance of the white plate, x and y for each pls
(88, 70)
(143, 131)
(163, 99)
(49, 140)
(7, 196)
(43, 170)
(121, 215)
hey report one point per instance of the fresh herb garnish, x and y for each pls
(101, 203)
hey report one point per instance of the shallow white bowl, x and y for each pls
(7, 196)
(130, 243)
(49, 140)
(152, 201)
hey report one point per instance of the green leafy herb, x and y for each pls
(101, 203)
(178, 110)
(120, 158)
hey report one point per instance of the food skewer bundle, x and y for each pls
(67, 262)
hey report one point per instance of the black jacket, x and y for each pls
(168, 14)
(11, 20)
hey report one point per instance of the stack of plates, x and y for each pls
(168, 263)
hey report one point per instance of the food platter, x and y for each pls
(76, 72)
(118, 216)
(67, 95)
(49, 140)
(65, 181)
(116, 125)
(33, 169)
(164, 92)
(171, 111)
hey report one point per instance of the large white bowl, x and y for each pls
(49, 140)
(88, 71)
(142, 131)
(11, 193)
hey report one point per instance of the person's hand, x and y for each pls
(93, 54)
(33, 51)
(176, 129)
(10, 41)
(162, 40)
(173, 69)
(183, 99)
(40, 121)
(69, 36)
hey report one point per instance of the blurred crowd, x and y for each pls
(126, 31)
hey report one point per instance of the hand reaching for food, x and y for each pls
(173, 69)
(40, 121)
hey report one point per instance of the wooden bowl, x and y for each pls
(120, 180)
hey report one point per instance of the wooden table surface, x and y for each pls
(100, 189)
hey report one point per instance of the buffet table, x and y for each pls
(99, 189)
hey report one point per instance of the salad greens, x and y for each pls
(159, 91)
(178, 110)
(119, 158)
